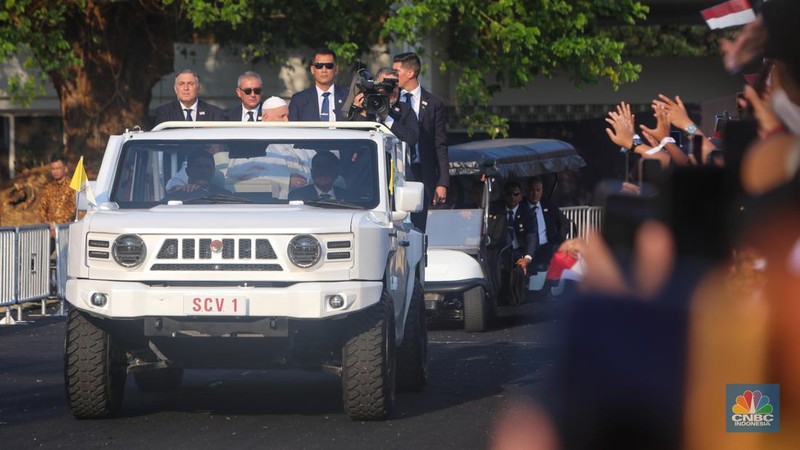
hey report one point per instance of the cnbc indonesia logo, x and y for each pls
(752, 410)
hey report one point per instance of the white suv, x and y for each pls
(227, 265)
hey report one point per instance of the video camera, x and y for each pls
(376, 95)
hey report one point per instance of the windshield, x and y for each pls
(455, 229)
(325, 173)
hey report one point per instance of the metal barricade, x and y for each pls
(25, 267)
(33, 282)
(583, 219)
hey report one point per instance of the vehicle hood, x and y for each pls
(235, 219)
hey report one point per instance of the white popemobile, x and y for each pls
(226, 272)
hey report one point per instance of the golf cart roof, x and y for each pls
(513, 157)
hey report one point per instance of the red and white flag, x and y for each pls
(729, 14)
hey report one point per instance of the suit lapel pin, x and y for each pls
(201, 113)
(424, 103)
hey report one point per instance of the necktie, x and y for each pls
(188, 114)
(324, 115)
(510, 226)
(250, 116)
(409, 99)
(325, 196)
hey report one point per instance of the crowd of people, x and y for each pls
(658, 336)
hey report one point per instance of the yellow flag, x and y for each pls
(79, 177)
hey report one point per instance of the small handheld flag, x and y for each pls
(80, 181)
(729, 14)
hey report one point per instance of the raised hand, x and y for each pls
(621, 121)
(676, 110)
(662, 126)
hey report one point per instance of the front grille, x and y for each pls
(218, 267)
(192, 249)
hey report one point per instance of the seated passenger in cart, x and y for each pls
(511, 243)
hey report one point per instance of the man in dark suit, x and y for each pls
(323, 101)
(324, 171)
(248, 90)
(429, 163)
(400, 119)
(512, 243)
(549, 221)
(187, 106)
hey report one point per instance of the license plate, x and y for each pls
(199, 305)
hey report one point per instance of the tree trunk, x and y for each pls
(126, 48)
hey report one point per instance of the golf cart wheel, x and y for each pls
(476, 310)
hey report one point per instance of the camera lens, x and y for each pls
(376, 103)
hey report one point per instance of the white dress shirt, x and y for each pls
(193, 108)
(331, 102)
(540, 225)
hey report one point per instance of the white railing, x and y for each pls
(583, 219)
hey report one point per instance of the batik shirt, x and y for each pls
(57, 203)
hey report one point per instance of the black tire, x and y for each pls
(94, 369)
(368, 363)
(412, 355)
(159, 380)
(476, 310)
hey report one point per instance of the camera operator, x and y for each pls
(397, 116)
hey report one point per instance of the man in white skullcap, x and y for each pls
(275, 109)
(282, 164)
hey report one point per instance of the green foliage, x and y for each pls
(488, 44)
(500, 43)
(271, 27)
(35, 28)
(667, 40)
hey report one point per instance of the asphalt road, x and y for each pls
(472, 376)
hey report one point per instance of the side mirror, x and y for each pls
(409, 197)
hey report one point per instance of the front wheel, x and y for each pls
(412, 355)
(94, 369)
(368, 362)
(476, 310)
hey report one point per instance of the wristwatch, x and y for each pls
(691, 129)
(637, 141)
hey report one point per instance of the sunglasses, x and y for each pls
(325, 65)
(248, 91)
(514, 194)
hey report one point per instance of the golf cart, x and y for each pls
(460, 280)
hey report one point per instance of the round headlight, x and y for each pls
(304, 251)
(129, 250)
